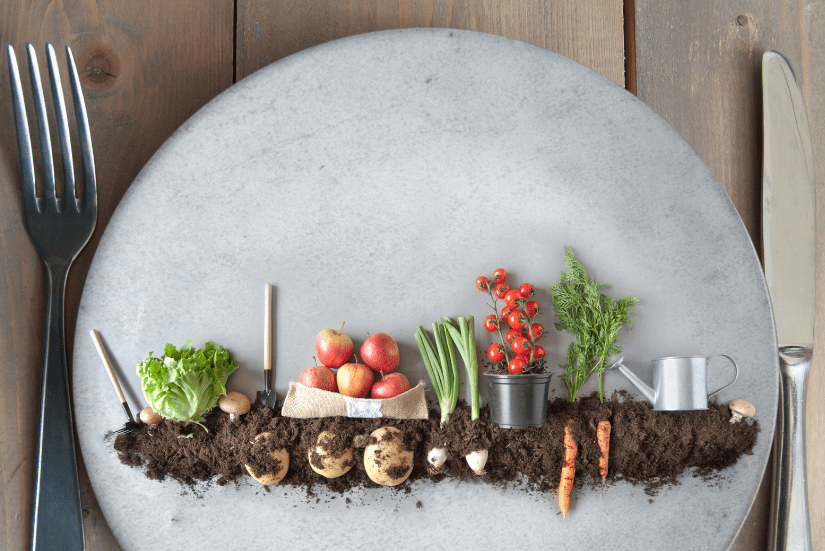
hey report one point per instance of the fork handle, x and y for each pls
(57, 521)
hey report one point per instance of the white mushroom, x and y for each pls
(740, 408)
(150, 416)
(235, 404)
(281, 456)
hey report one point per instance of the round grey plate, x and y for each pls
(371, 180)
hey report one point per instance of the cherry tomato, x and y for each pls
(532, 308)
(526, 290)
(511, 334)
(538, 352)
(482, 283)
(511, 296)
(523, 357)
(500, 276)
(495, 352)
(520, 345)
(491, 323)
(506, 311)
(516, 366)
(537, 330)
(500, 290)
(517, 319)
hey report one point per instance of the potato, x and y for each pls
(281, 455)
(328, 463)
(387, 461)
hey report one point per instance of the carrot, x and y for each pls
(603, 438)
(568, 470)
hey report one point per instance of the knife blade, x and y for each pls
(789, 252)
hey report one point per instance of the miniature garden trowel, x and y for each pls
(267, 396)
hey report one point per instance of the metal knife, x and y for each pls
(789, 241)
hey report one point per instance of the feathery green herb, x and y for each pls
(592, 318)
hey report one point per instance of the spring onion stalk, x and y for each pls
(465, 341)
(442, 368)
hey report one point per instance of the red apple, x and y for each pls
(333, 347)
(354, 380)
(318, 377)
(390, 386)
(380, 352)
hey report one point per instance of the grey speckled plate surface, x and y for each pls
(371, 179)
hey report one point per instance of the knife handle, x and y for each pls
(790, 527)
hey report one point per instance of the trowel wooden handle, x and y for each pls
(108, 364)
(268, 329)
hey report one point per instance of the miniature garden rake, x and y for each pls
(130, 426)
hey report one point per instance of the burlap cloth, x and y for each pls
(305, 402)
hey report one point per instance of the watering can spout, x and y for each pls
(640, 385)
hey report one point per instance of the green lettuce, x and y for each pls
(184, 384)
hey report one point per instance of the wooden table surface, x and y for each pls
(147, 66)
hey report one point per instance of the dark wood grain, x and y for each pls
(699, 67)
(588, 31)
(145, 68)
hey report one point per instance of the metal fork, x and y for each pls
(59, 228)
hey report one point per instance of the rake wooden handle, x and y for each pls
(108, 364)
(268, 329)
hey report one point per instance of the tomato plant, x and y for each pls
(518, 348)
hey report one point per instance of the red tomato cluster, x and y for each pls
(519, 310)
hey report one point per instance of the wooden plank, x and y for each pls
(588, 31)
(146, 67)
(699, 66)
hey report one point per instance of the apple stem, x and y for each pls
(342, 328)
(356, 357)
(316, 361)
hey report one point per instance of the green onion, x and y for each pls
(465, 341)
(439, 359)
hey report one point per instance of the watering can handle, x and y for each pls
(735, 374)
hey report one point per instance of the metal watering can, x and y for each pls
(679, 383)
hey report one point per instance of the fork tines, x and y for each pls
(30, 200)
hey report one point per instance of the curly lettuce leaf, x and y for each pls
(185, 383)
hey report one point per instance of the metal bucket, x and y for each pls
(517, 401)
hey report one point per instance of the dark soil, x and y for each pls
(646, 447)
